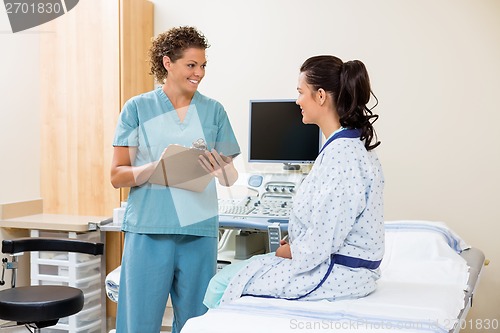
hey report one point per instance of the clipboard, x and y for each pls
(179, 167)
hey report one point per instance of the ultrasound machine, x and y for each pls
(255, 223)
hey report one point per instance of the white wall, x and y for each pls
(434, 68)
(19, 114)
(19, 125)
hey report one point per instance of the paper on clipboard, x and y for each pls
(179, 167)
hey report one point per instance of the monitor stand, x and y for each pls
(291, 167)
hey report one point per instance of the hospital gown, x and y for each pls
(338, 209)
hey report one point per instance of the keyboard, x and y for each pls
(235, 209)
(268, 207)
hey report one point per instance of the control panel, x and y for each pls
(273, 196)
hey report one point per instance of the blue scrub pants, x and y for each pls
(154, 266)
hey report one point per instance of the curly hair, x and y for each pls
(173, 43)
(349, 85)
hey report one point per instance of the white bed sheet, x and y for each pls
(421, 290)
(112, 284)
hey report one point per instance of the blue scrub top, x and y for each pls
(150, 123)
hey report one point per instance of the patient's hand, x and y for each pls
(284, 250)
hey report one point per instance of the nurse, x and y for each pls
(336, 228)
(170, 234)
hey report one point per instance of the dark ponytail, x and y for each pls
(353, 96)
(349, 85)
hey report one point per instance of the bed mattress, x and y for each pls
(425, 287)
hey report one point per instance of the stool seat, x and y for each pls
(39, 303)
(41, 306)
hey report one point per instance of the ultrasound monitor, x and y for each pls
(278, 135)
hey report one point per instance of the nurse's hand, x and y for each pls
(123, 174)
(219, 166)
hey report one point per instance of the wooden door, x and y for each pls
(93, 59)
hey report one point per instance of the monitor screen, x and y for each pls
(277, 133)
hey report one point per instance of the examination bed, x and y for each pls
(429, 275)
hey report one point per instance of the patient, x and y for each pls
(336, 228)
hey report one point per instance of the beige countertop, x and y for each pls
(29, 215)
(57, 222)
